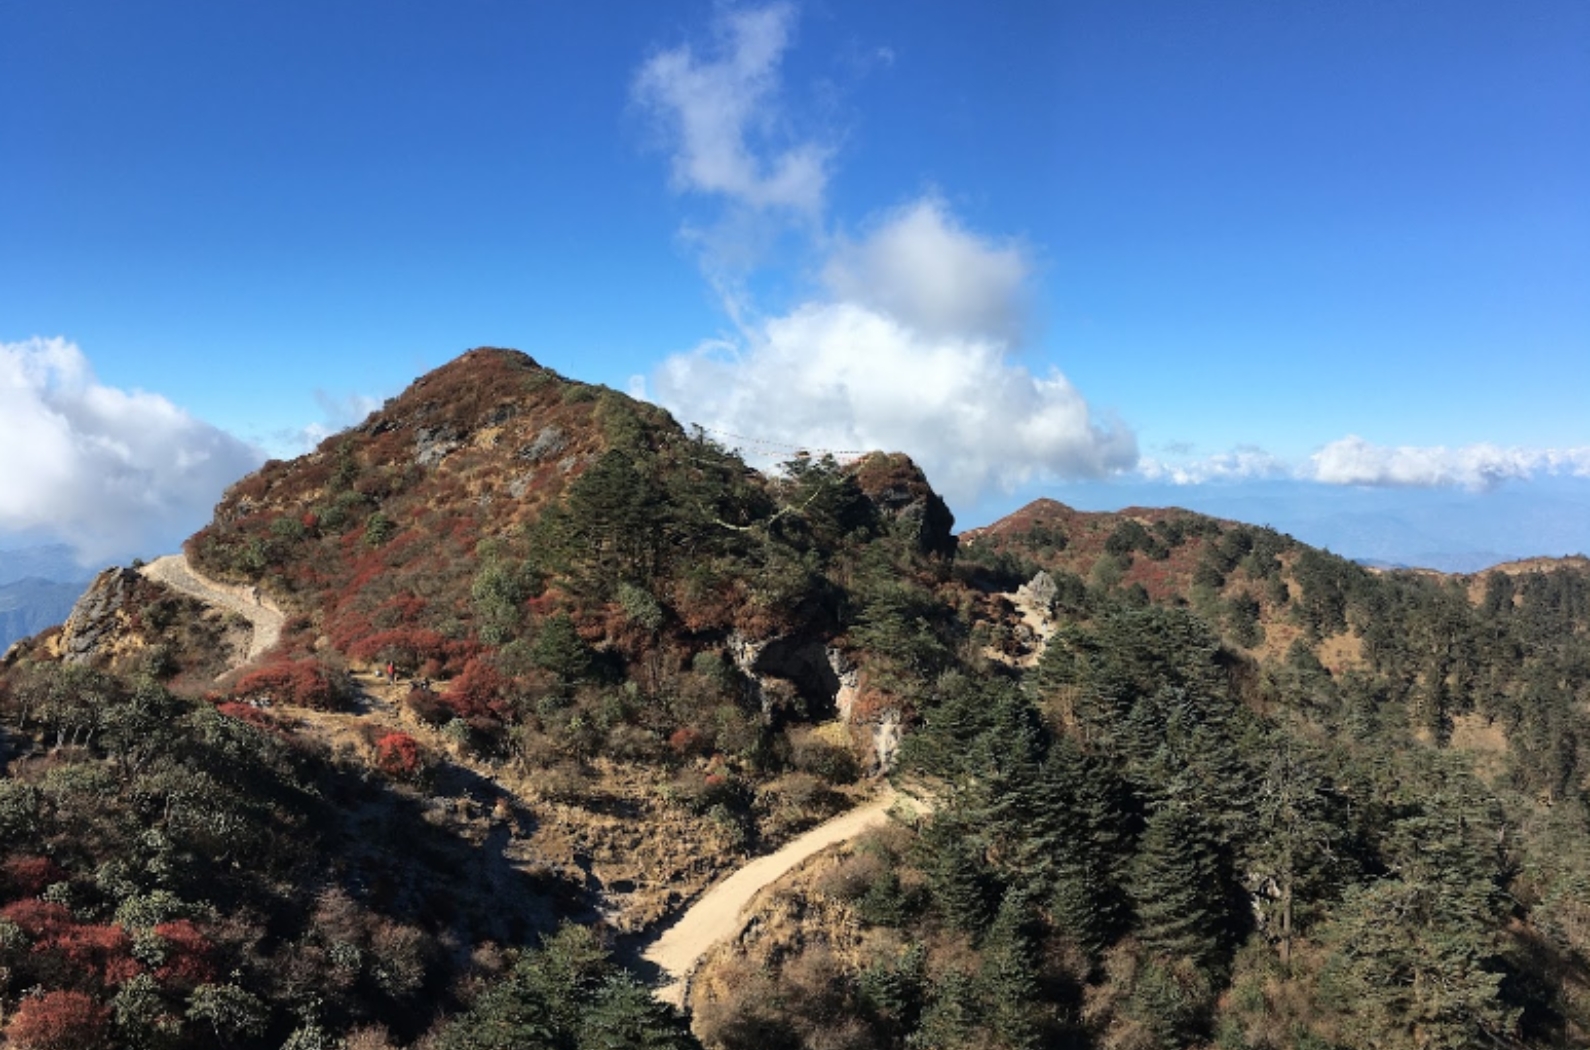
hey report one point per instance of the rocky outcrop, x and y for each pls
(548, 442)
(901, 493)
(790, 678)
(99, 615)
(432, 444)
(807, 679)
(1039, 592)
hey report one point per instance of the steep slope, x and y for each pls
(1202, 784)
(619, 661)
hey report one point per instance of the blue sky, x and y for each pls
(1325, 255)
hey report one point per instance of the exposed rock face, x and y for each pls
(849, 683)
(804, 678)
(900, 491)
(887, 733)
(803, 663)
(550, 441)
(1040, 591)
(98, 615)
(432, 444)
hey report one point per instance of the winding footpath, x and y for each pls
(715, 917)
(719, 913)
(263, 614)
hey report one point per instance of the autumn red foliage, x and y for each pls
(244, 713)
(477, 692)
(60, 1021)
(686, 741)
(40, 920)
(398, 755)
(27, 876)
(306, 683)
(104, 952)
(407, 647)
(189, 956)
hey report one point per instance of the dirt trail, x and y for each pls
(174, 571)
(712, 918)
(718, 914)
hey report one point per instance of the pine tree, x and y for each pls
(1294, 847)
(1411, 968)
(959, 877)
(1008, 977)
(1076, 847)
(623, 1016)
(1176, 885)
(895, 990)
(952, 1014)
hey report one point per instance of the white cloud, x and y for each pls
(1354, 461)
(337, 415)
(907, 347)
(1245, 463)
(113, 472)
(922, 268)
(879, 364)
(720, 121)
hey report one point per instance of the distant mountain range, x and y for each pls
(37, 588)
(1447, 530)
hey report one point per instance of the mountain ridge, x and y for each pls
(591, 662)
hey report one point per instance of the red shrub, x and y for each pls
(189, 956)
(408, 608)
(26, 876)
(476, 692)
(408, 647)
(306, 683)
(398, 756)
(60, 1021)
(105, 951)
(687, 740)
(38, 919)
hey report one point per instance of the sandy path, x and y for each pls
(717, 915)
(174, 571)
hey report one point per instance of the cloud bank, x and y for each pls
(909, 342)
(1354, 461)
(115, 473)
(1245, 463)
(920, 266)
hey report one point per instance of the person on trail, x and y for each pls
(391, 672)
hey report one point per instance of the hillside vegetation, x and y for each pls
(1191, 784)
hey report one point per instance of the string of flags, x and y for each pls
(765, 446)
